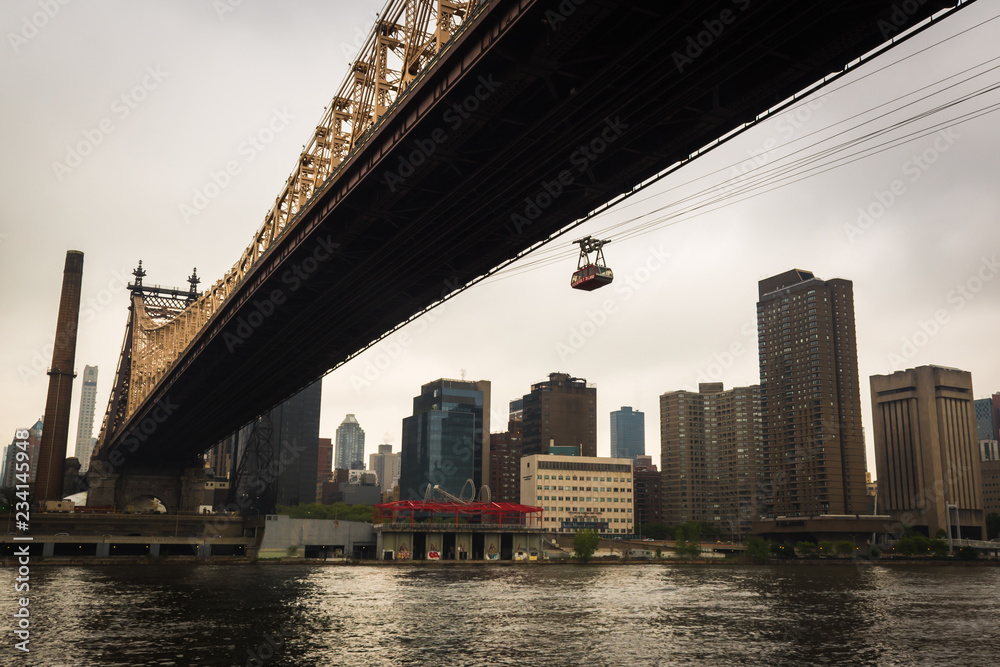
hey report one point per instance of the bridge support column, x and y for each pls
(102, 486)
(103, 550)
(193, 492)
(180, 489)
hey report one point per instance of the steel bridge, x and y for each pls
(465, 134)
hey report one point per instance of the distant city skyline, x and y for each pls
(912, 225)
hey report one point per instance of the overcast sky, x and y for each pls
(115, 115)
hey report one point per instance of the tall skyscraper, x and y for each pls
(810, 396)
(386, 465)
(85, 423)
(296, 424)
(293, 432)
(446, 441)
(710, 446)
(561, 411)
(628, 433)
(926, 450)
(986, 418)
(350, 448)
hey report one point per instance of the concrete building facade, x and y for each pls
(561, 411)
(926, 451)
(814, 449)
(710, 449)
(580, 492)
(628, 433)
(386, 465)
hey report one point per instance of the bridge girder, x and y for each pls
(455, 165)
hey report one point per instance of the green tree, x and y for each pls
(992, 525)
(680, 544)
(658, 531)
(825, 548)
(782, 550)
(7, 499)
(844, 548)
(339, 511)
(585, 544)
(939, 547)
(967, 553)
(940, 535)
(759, 550)
(914, 545)
(806, 548)
(695, 530)
(682, 547)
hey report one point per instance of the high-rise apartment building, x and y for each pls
(580, 492)
(324, 459)
(628, 433)
(85, 422)
(926, 451)
(560, 411)
(810, 395)
(647, 491)
(8, 476)
(711, 442)
(324, 465)
(991, 489)
(446, 440)
(505, 464)
(386, 465)
(350, 447)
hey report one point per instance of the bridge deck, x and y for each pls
(532, 120)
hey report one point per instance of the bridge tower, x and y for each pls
(149, 348)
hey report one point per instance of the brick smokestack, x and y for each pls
(55, 430)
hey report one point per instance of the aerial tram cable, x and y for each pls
(506, 269)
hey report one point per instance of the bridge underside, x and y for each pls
(432, 199)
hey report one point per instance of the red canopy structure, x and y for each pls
(493, 514)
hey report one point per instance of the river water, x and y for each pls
(507, 615)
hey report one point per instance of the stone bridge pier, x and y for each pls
(179, 489)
